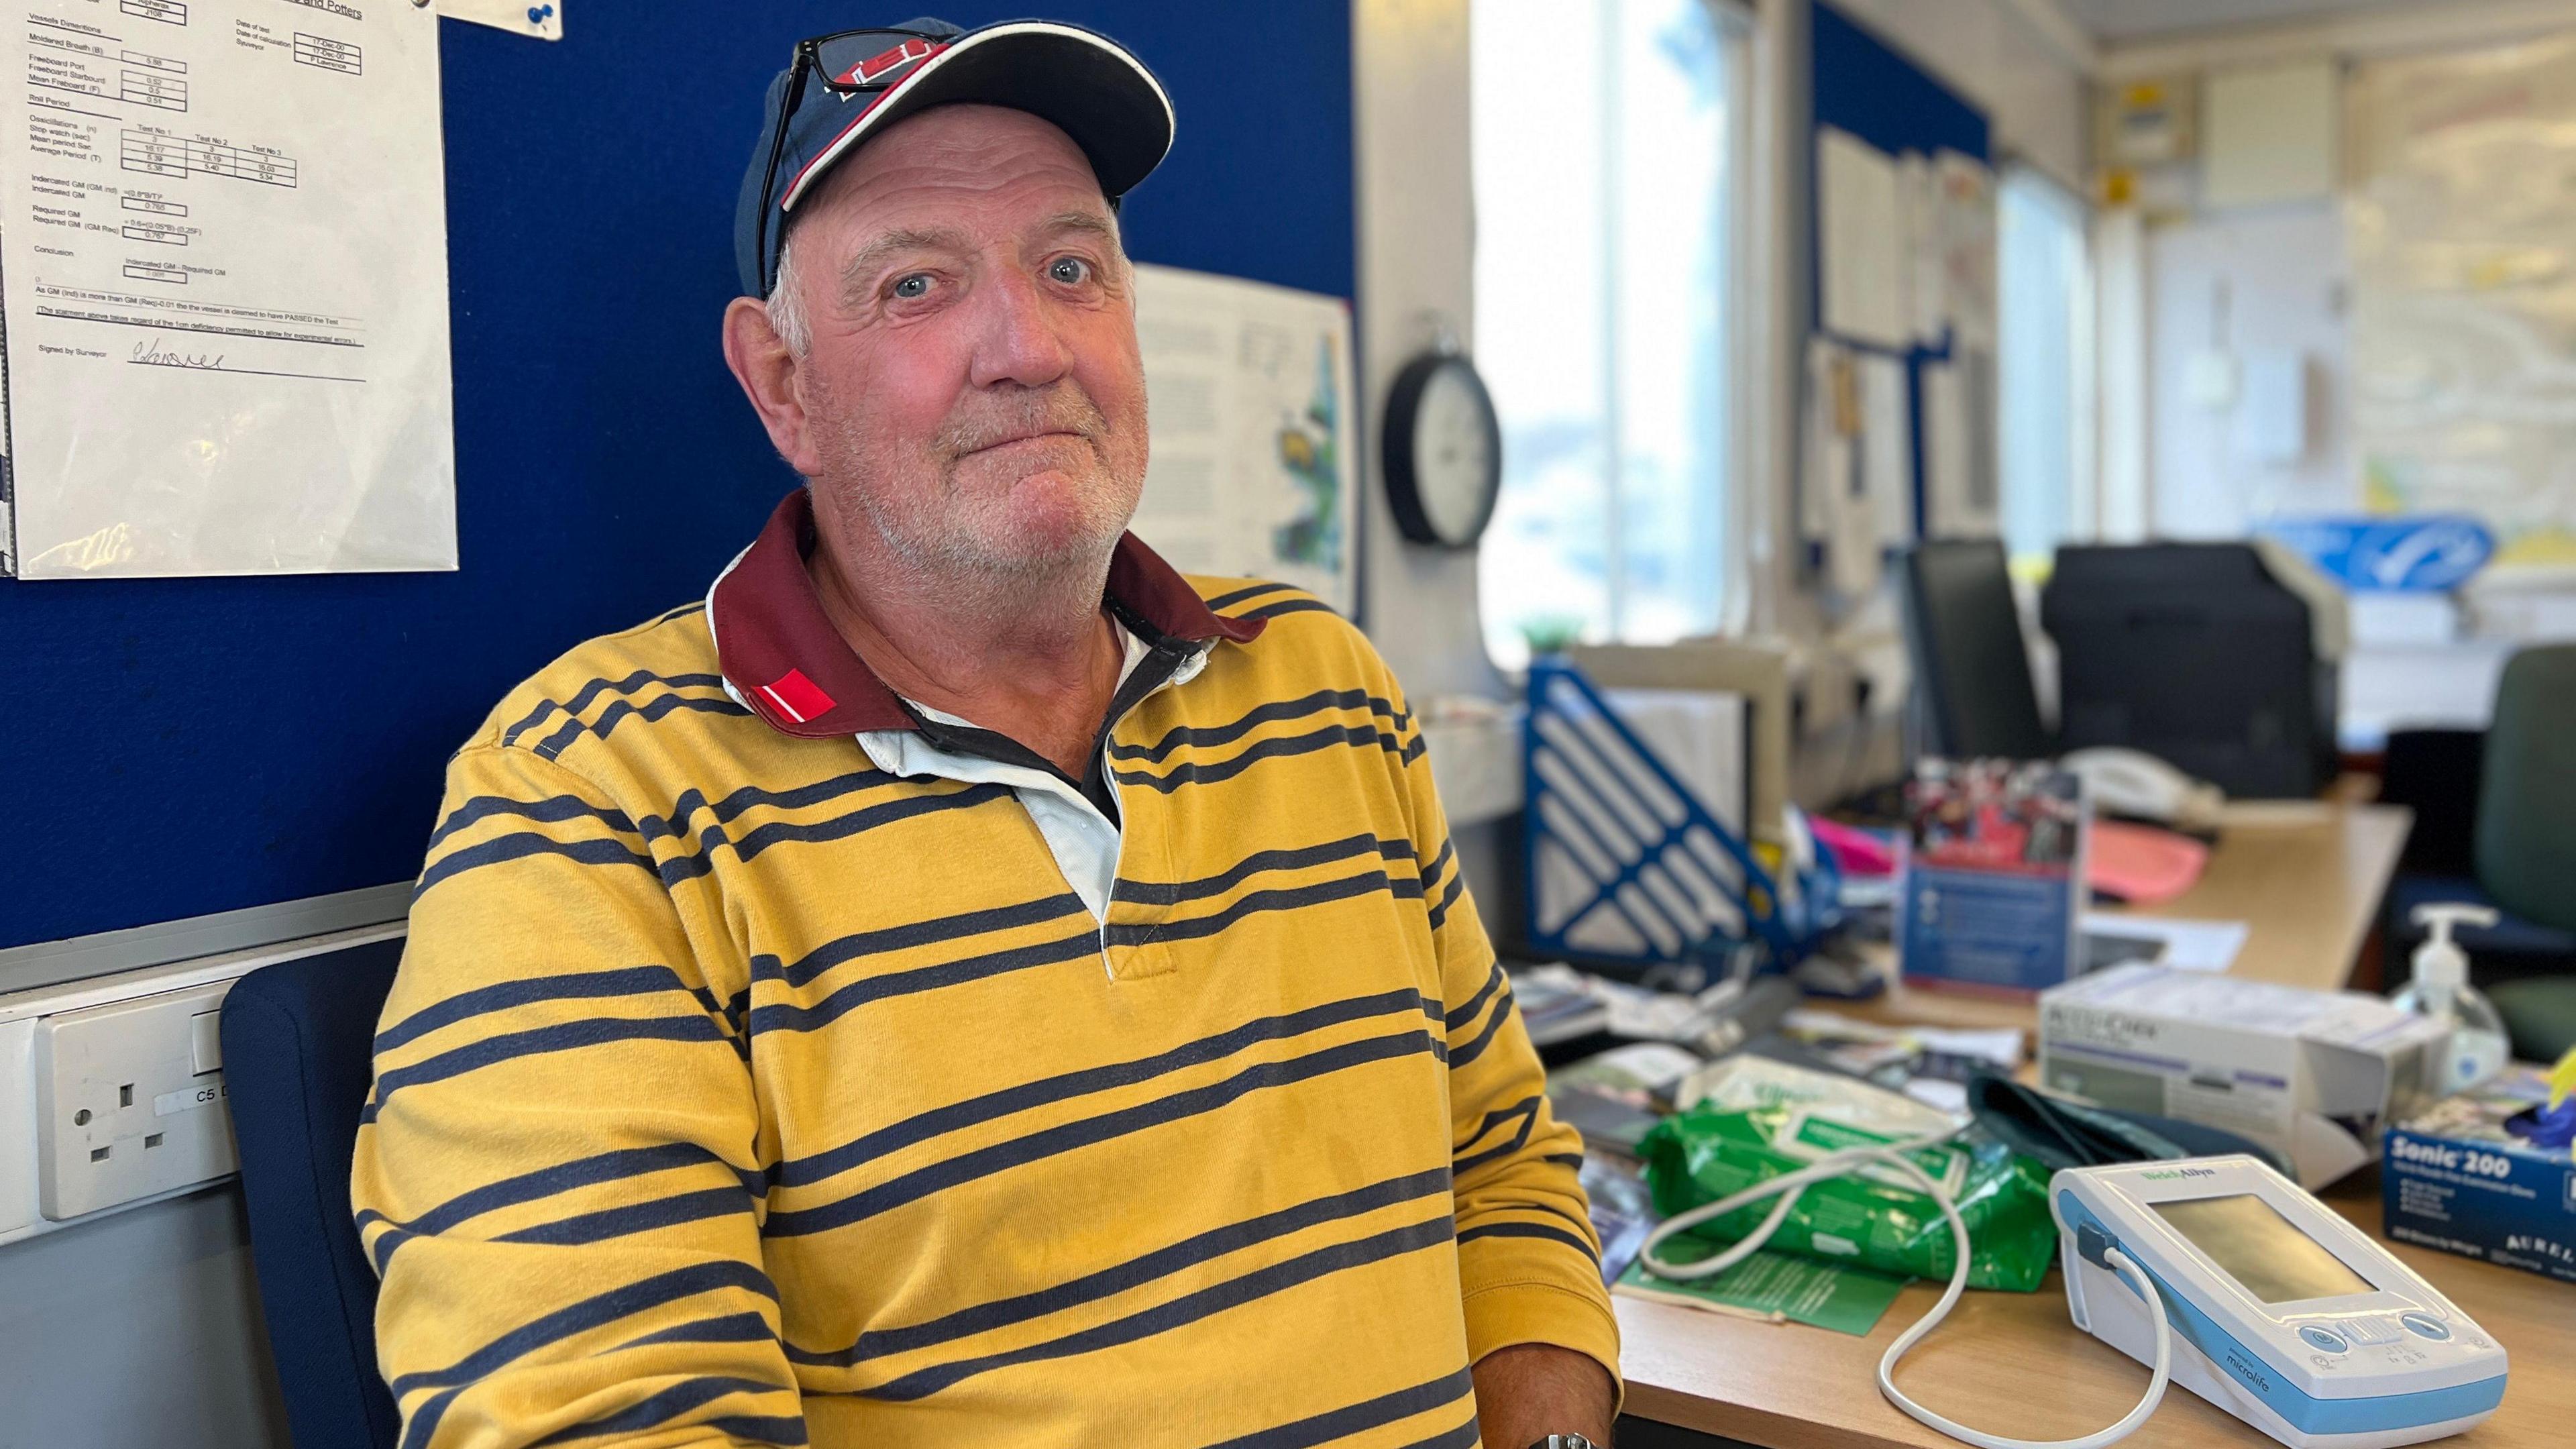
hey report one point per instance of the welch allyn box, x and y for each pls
(2309, 1074)
(2471, 1174)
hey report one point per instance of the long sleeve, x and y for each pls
(557, 1175)
(1529, 1263)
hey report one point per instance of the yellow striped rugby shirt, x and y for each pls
(733, 1091)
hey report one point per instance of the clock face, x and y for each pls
(1454, 467)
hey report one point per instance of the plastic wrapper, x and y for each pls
(1873, 1216)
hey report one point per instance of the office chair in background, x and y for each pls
(299, 1047)
(2524, 837)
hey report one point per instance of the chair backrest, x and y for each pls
(298, 1057)
(2527, 791)
(1971, 670)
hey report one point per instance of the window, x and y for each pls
(2044, 364)
(1608, 141)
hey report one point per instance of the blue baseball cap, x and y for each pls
(841, 89)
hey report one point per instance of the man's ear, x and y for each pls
(767, 370)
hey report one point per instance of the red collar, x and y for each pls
(783, 657)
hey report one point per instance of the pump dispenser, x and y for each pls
(2478, 1048)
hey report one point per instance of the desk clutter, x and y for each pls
(1806, 1174)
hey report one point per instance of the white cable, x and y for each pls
(1788, 1186)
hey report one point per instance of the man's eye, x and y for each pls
(1071, 271)
(913, 287)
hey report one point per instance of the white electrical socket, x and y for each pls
(130, 1101)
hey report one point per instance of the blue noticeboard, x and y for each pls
(183, 746)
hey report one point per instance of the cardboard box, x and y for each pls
(2466, 1176)
(2309, 1074)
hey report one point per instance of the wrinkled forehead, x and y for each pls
(968, 168)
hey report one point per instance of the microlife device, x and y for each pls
(2280, 1311)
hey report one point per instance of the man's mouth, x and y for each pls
(1033, 437)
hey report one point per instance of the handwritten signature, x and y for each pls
(151, 353)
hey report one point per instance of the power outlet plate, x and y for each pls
(130, 1101)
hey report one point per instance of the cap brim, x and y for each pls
(1085, 84)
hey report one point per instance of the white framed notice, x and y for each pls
(223, 267)
(1254, 467)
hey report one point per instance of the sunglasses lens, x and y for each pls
(868, 57)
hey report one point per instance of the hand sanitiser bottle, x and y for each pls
(2441, 989)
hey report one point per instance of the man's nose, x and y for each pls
(1020, 341)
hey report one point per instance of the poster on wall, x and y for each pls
(2462, 230)
(225, 290)
(1254, 466)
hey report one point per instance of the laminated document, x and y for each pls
(1255, 453)
(223, 262)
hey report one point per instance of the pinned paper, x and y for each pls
(542, 19)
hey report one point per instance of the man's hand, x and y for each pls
(1531, 1390)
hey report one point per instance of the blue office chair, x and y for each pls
(298, 1052)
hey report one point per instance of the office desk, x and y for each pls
(2013, 1364)
(2306, 877)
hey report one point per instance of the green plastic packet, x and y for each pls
(1873, 1216)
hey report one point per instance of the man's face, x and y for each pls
(973, 390)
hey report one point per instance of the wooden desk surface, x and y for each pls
(2305, 877)
(2014, 1364)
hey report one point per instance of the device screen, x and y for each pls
(2250, 1239)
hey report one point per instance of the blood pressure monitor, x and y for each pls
(2281, 1312)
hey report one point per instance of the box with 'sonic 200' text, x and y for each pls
(2488, 1173)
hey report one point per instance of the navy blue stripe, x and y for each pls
(1448, 897)
(581, 986)
(788, 1016)
(1144, 893)
(1527, 1111)
(842, 949)
(599, 1310)
(536, 1041)
(522, 846)
(1001, 1156)
(1180, 1312)
(784, 1430)
(1494, 1024)
(1239, 595)
(1256, 903)
(640, 1217)
(1461, 1015)
(651, 710)
(545, 1182)
(1403, 887)
(667, 1405)
(1276, 747)
(1530, 1230)
(690, 802)
(590, 692)
(723, 1328)
(1357, 1418)
(1204, 736)
(682, 612)
(1465, 1436)
(552, 810)
(1161, 1263)
(780, 832)
(1565, 1159)
(1287, 606)
(1431, 872)
(805, 1171)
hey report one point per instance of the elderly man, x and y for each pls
(965, 984)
